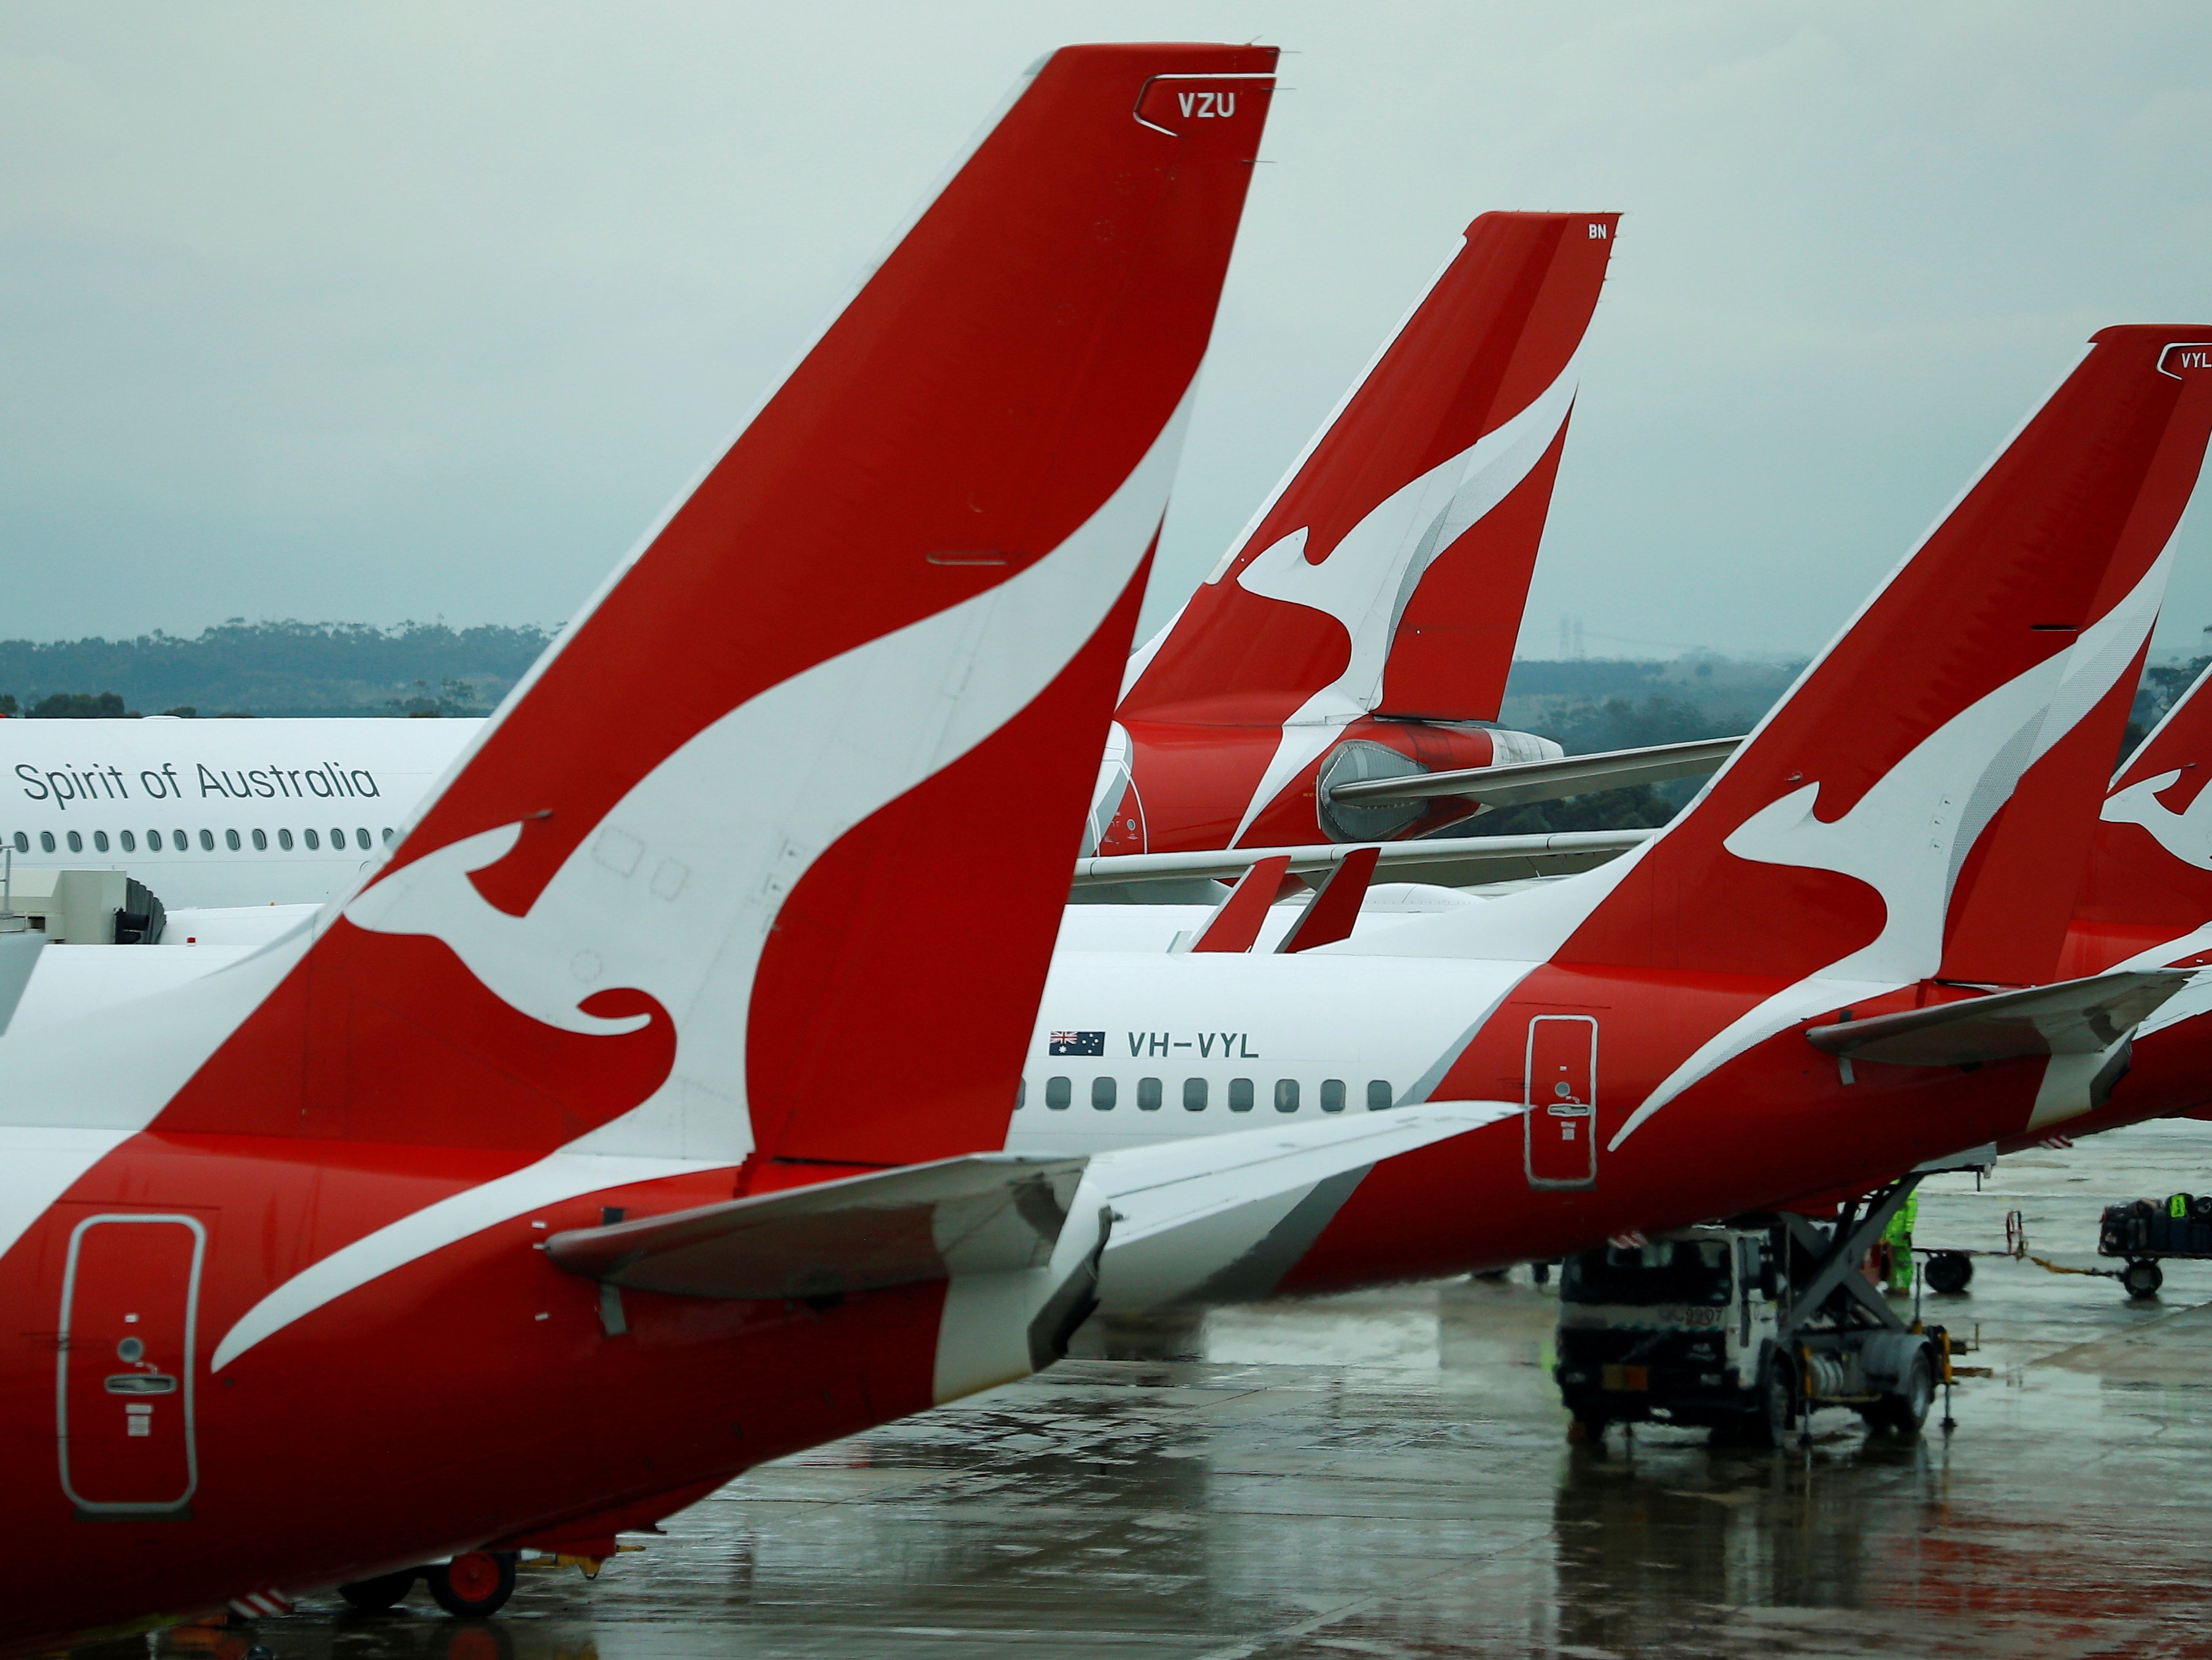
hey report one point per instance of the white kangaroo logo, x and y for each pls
(1368, 578)
(1908, 835)
(2187, 835)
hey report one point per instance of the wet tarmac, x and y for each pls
(1389, 1475)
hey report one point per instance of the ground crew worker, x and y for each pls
(1897, 1244)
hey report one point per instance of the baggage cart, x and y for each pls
(2144, 1232)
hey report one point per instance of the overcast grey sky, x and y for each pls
(408, 310)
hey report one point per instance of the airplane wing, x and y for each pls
(2074, 1017)
(1449, 862)
(1544, 781)
(984, 1213)
(1220, 1218)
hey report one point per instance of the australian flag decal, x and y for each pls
(1077, 1043)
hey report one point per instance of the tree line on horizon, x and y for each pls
(271, 668)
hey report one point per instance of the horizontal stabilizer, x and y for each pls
(1221, 1219)
(1544, 781)
(985, 1213)
(2074, 1017)
(1455, 861)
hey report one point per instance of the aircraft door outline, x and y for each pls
(130, 1322)
(1559, 1102)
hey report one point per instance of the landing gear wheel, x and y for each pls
(376, 1596)
(473, 1584)
(1907, 1410)
(2142, 1279)
(1778, 1394)
(1950, 1272)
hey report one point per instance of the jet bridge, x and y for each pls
(82, 907)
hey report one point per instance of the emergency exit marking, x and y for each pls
(1558, 1086)
(142, 1460)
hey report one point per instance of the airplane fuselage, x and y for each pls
(221, 813)
(1613, 1125)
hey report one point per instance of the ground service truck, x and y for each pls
(1746, 1328)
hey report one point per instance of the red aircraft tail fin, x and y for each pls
(1389, 569)
(712, 882)
(2150, 864)
(1863, 830)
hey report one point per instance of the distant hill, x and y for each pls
(275, 668)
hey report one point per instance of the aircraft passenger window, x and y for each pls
(1021, 1093)
(46, 841)
(177, 840)
(207, 841)
(1194, 1095)
(130, 842)
(230, 839)
(1102, 1093)
(361, 840)
(1240, 1095)
(338, 841)
(99, 841)
(388, 835)
(261, 840)
(1378, 1095)
(314, 842)
(1332, 1095)
(75, 841)
(284, 840)
(1286, 1095)
(1148, 1095)
(154, 841)
(1058, 1092)
(22, 842)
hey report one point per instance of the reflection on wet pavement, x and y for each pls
(1389, 1475)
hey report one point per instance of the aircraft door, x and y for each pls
(129, 1305)
(1558, 1116)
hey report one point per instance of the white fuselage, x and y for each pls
(1233, 1041)
(1199, 1044)
(219, 812)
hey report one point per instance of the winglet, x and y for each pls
(1334, 910)
(1236, 920)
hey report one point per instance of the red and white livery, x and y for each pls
(1841, 960)
(1364, 624)
(381, 1210)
